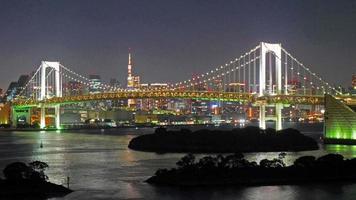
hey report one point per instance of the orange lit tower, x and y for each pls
(129, 73)
(133, 82)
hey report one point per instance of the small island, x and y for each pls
(249, 139)
(235, 170)
(28, 181)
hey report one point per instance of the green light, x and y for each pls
(340, 120)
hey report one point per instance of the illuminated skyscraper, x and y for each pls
(129, 73)
(73, 88)
(11, 91)
(133, 82)
(95, 82)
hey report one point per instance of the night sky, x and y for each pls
(172, 39)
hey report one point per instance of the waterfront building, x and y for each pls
(199, 107)
(5, 113)
(340, 121)
(179, 106)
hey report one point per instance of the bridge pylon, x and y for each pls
(44, 91)
(276, 50)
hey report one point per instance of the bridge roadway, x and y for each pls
(171, 94)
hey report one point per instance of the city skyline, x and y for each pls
(102, 99)
(172, 37)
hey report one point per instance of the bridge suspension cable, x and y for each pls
(243, 75)
(232, 76)
(58, 77)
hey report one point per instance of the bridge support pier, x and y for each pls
(57, 120)
(43, 117)
(279, 107)
(57, 116)
(263, 116)
(277, 117)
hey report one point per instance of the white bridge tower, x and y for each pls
(276, 50)
(46, 93)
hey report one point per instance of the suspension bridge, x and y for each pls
(266, 75)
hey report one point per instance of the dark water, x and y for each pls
(100, 166)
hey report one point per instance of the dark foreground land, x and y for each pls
(31, 190)
(235, 170)
(28, 181)
(249, 139)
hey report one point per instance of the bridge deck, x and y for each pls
(203, 95)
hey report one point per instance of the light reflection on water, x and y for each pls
(100, 166)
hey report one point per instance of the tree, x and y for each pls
(207, 163)
(235, 160)
(304, 161)
(16, 171)
(282, 155)
(265, 163)
(186, 161)
(38, 169)
(330, 160)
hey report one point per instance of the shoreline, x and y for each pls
(33, 189)
(118, 127)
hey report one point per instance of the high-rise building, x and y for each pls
(133, 82)
(95, 82)
(1, 95)
(11, 91)
(73, 88)
(16, 87)
(129, 73)
(21, 84)
(23, 80)
(352, 89)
